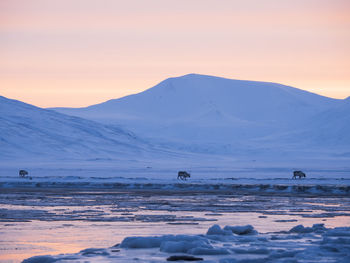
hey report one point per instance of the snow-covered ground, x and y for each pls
(323, 177)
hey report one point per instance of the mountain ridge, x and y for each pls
(27, 130)
(191, 113)
(164, 84)
(194, 102)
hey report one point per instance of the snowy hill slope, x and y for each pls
(333, 125)
(28, 131)
(198, 112)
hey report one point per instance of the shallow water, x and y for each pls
(54, 221)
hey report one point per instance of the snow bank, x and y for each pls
(238, 244)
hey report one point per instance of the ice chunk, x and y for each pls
(338, 231)
(182, 246)
(216, 230)
(141, 242)
(241, 230)
(301, 229)
(338, 240)
(164, 242)
(40, 259)
(94, 252)
(318, 228)
(208, 251)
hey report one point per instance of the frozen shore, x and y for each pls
(66, 210)
(230, 244)
(310, 186)
(250, 178)
(41, 221)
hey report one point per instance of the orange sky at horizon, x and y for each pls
(78, 53)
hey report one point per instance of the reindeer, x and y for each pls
(299, 174)
(183, 175)
(22, 173)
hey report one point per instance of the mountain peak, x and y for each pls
(190, 97)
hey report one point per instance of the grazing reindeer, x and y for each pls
(299, 174)
(183, 175)
(22, 173)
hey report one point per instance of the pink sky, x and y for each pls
(82, 52)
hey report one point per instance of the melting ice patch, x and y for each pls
(225, 245)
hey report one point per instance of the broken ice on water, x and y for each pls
(229, 244)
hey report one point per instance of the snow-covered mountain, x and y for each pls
(205, 113)
(27, 131)
(192, 113)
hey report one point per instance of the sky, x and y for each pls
(75, 53)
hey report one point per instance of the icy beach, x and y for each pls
(58, 216)
(228, 245)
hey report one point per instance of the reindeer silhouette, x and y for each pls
(22, 173)
(299, 174)
(183, 175)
